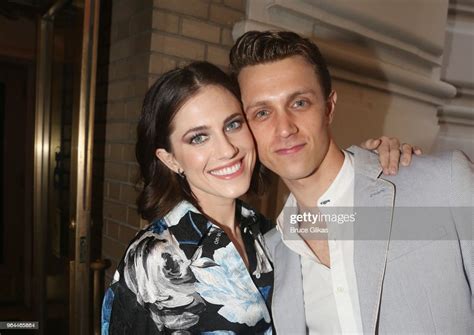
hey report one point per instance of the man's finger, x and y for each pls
(384, 154)
(394, 155)
(370, 144)
(407, 152)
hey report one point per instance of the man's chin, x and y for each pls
(293, 175)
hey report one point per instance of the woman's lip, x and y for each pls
(291, 150)
(230, 175)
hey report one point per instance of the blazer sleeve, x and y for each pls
(272, 238)
(462, 209)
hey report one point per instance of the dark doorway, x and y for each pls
(16, 136)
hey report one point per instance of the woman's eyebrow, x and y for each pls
(195, 129)
(202, 128)
(227, 119)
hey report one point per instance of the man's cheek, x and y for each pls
(260, 150)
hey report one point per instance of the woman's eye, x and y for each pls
(236, 124)
(198, 139)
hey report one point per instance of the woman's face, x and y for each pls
(211, 143)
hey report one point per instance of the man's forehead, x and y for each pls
(289, 66)
(289, 76)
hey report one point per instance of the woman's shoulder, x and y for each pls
(151, 257)
(153, 241)
(155, 271)
(162, 230)
(149, 235)
(177, 234)
(148, 243)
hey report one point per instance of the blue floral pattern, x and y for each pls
(240, 304)
(183, 275)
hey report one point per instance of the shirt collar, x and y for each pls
(343, 182)
(345, 174)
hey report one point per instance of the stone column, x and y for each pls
(456, 118)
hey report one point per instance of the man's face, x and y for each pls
(288, 115)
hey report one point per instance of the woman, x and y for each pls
(201, 266)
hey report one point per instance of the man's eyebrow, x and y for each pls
(256, 104)
(290, 97)
(301, 92)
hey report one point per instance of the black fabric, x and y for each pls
(188, 278)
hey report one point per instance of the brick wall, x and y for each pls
(148, 38)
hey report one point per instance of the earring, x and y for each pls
(181, 174)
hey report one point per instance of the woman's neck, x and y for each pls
(221, 211)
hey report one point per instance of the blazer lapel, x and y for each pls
(287, 302)
(373, 202)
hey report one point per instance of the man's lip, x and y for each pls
(291, 150)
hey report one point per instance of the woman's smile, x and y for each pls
(229, 171)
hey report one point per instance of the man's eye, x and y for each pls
(236, 124)
(300, 103)
(261, 114)
(198, 139)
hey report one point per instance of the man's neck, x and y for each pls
(308, 190)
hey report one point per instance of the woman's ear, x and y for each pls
(169, 160)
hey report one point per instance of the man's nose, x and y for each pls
(285, 126)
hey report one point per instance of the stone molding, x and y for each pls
(369, 71)
(378, 50)
(456, 115)
(458, 64)
(353, 21)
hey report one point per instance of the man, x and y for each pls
(406, 266)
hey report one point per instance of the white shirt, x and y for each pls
(330, 294)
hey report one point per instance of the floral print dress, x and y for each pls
(182, 275)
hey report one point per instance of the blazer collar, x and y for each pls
(288, 303)
(367, 162)
(373, 203)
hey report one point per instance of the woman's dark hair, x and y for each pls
(162, 188)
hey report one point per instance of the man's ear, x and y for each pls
(168, 159)
(331, 106)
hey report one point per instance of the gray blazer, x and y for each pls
(409, 280)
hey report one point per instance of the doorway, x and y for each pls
(47, 94)
(16, 150)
